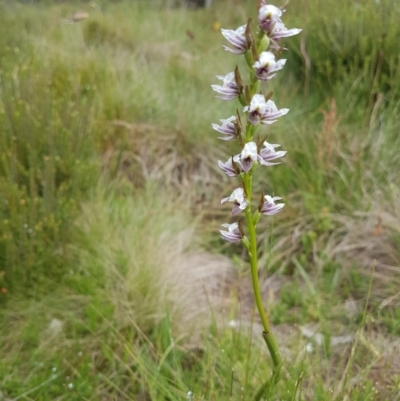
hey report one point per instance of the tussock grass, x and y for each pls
(141, 252)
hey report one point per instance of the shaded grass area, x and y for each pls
(109, 191)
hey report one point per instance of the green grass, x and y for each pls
(111, 283)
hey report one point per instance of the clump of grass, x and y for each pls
(140, 250)
(351, 54)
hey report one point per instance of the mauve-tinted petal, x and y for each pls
(280, 31)
(228, 89)
(227, 168)
(234, 239)
(269, 207)
(254, 118)
(246, 164)
(234, 51)
(236, 209)
(236, 38)
(232, 234)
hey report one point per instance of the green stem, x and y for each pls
(268, 336)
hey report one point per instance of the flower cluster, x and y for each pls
(260, 52)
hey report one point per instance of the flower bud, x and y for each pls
(240, 227)
(246, 242)
(248, 35)
(236, 166)
(254, 52)
(268, 96)
(260, 142)
(256, 217)
(247, 94)
(263, 43)
(261, 202)
(238, 80)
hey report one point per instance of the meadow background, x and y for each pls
(114, 283)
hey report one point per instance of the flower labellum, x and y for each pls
(256, 109)
(228, 90)
(233, 234)
(238, 199)
(266, 65)
(248, 156)
(237, 39)
(269, 207)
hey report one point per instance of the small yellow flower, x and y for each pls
(216, 26)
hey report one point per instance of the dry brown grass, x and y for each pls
(326, 138)
(144, 152)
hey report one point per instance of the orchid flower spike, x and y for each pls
(238, 199)
(260, 58)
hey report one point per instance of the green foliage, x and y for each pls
(73, 231)
(46, 164)
(352, 49)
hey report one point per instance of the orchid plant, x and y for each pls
(260, 52)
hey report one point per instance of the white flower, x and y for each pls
(228, 90)
(248, 156)
(256, 109)
(228, 168)
(270, 207)
(266, 65)
(227, 128)
(238, 199)
(233, 234)
(268, 16)
(269, 153)
(261, 111)
(236, 37)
